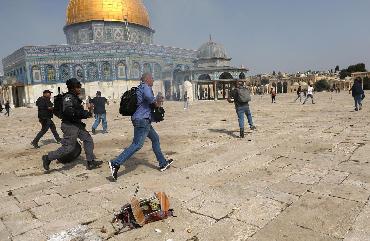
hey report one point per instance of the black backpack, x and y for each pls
(128, 104)
(58, 105)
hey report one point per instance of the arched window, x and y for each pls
(107, 71)
(135, 73)
(121, 70)
(157, 72)
(204, 77)
(147, 68)
(242, 75)
(92, 72)
(226, 75)
(50, 73)
(79, 73)
(64, 72)
(36, 73)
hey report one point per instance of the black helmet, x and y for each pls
(73, 83)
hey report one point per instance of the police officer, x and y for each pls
(45, 115)
(72, 127)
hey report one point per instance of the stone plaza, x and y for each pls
(304, 174)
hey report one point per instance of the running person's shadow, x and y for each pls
(224, 131)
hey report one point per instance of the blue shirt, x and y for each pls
(145, 98)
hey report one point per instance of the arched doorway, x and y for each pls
(285, 87)
(279, 88)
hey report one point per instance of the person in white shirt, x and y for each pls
(309, 94)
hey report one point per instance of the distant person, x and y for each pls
(186, 101)
(299, 94)
(142, 122)
(240, 96)
(7, 108)
(358, 94)
(45, 115)
(98, 104)
(72, 127)
(1, 108)
(309, 94)
(273, 95)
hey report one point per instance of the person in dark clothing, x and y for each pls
(242, 108)
(273, 95)
(72, 127)
(100, 113)
(45, 115)
(358, 94)
(7, 108)
(299, 94)
(1, 108)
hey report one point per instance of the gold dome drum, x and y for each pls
(132, 11)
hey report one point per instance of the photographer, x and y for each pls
(72, 127)
(142, 122)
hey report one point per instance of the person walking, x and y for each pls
(72, 127)
(142, 122)
(45, 115)
(240, 96)
(299, 94)
(358, 94)
(310, 91)
(273, 95)
(1, 108)
(98, 104)
(7, 108)
(186, 101)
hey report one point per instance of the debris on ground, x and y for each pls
(80, 233)
(140, 212)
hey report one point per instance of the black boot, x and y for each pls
(93, 164)
(241, 132)
(46, 162)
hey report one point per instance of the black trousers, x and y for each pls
(46, 125)
(70, 135)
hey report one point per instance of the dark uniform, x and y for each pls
(73, 128)
(7, 108)
(45, 115)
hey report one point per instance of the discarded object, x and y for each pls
(140, 212)
(158, 230)
(80, 232)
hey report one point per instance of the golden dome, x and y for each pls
(133, 11)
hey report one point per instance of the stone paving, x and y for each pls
(304, 174)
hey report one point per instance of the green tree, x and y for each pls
(366, 83)
(337, 68)
(352, 69)
(322, 85)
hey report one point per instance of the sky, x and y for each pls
(262, 35)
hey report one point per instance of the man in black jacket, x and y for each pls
(357, 94)
(45, 115)
(72, 127)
